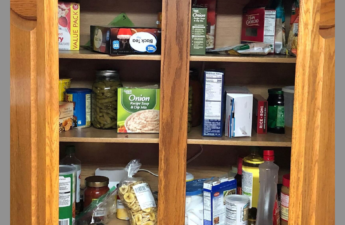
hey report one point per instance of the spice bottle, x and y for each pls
(276, 119)
(285, 200)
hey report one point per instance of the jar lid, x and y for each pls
(268, 155)
(107, 73)
(189, 177)
(97, 181)
(289, 89)
(275, 91)
(286, 180)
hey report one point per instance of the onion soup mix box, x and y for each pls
(258, 25)
(69, 25)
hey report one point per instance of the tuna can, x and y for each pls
(237, 210)
(67, 186)
(81, 97)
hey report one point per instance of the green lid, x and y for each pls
(275, 91)
(70, 149)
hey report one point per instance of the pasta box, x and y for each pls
(69, 25)
(125, 40)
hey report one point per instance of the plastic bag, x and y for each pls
(137, 197)
(99, 211)
(246, 49)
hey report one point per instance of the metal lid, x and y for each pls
(275, 91)
(97, 181)
(107, 73)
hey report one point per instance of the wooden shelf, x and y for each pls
(252, 59)
(267, 140)
(94, 135)
(118, 222)
(86, 54)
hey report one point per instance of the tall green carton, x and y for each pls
(198, 31)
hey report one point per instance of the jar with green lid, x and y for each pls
(276, 119)
(104, 99)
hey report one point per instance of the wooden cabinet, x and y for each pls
(36, 65)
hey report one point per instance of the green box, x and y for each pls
(198, 31)
(138, 108)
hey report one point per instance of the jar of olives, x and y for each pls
(104, 99)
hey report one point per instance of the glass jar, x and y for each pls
(96, 186)
(104, 99)
(276, 120)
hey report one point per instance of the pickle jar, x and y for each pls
(104, 99)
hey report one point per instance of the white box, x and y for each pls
(239, 112)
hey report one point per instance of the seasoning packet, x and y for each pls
(246, 49)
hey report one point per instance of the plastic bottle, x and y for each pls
(70, 159)
(268, 189)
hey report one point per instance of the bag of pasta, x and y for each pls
(137, 197)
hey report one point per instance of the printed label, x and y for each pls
(144, 196)
(285, 207)
(88, 109)
(207, 206)
(236, 214)
(97, 40)
(64, 222)
(139, 41)
(247, 185)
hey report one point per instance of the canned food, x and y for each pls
(237, 210)
(67, 186)
(64, 84)
(81, 97)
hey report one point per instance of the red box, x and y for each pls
(260, 114)
(258, 25)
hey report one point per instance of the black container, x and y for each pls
(276, 120)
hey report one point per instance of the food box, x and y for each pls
(260, 110)
(125, 40)
(211, 21)
(213, 120)
(258, 25)
(215, 192)
(198, 31)
(239, 112)
(69, 25)
(138, 108)
(66, 119)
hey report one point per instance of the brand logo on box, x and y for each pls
(252, 20)
(75, 6)
(216, 194)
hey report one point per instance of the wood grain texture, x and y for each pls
(312, 188)
(26, 9)
(173, 111)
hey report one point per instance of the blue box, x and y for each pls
(215, 192)
(213, 108)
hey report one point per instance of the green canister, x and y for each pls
(276, 109)
(67, 186)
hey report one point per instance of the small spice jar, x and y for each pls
(96, 186)
(276, 119)
(284, 198)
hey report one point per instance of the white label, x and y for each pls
(284, 206)
(64, 222)
(97, 40)
(88, 109)
(270, 23)
(139, 41)
(64, 200)
(64, 38)
(207, 206)
(236, 214)
(144, 196)
(295, 28)
(213, 110)
(100, 212)
(64, 191)
(247, 185)
(213, 89)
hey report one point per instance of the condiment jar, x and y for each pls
(276, 120)
(96, 186)
(104, 99)
(284, 198)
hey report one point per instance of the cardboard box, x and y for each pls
(198, 31)
(138, 108)
(239, 112)
(260, 114)
(258, 25)
(69, 25)
(66, 118)
(215, 191)
(213, 113)
(125, 40)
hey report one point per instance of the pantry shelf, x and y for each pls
(267, 140)
(250, 59)
(105, 136)
(87, 54)
(118, 222)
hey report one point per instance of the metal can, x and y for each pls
(81, 97)
(67, 186)
(237, 210)
(64, 84)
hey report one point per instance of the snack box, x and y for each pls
(260, 114)
(138, 108)
(215, 192)
(66, 119)
(258, 25)
(125, 40)
(198, 31)
(69, 25)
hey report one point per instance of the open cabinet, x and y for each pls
(308, 150)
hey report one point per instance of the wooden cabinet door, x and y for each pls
(34, 112)
(313, 149)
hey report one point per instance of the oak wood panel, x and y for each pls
(327, 14)
(312, 188)
(26, 9)
(173, 111)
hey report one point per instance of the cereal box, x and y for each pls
(69, 25)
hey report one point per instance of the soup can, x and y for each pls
(237, 210)
(64, 84)
(67, 188)
(81, 97)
